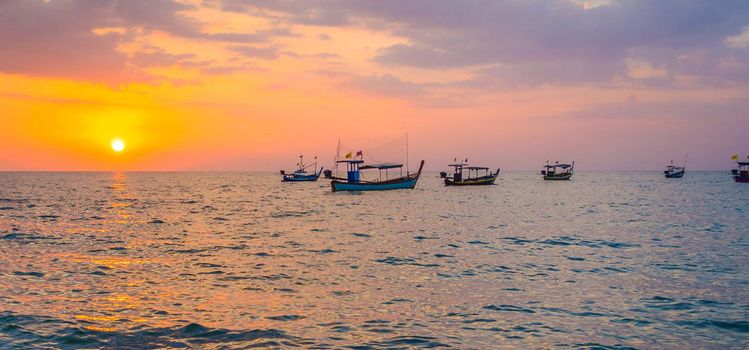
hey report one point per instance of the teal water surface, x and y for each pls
(240, 260)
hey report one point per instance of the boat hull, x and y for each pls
(675, 175)
(373, 186)
(742, 179)
(558, 177)
(298, 178)
(472, 182)
(403, 183)
(288, 178)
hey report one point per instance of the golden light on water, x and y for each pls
(118, 145)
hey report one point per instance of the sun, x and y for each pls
(118, 145)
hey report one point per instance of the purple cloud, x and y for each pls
(533, 37)
(266, 53)
(57, 38)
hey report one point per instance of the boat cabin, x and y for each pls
(384, 166)
(673, 171)
(352, 169)
(355, 166)
(741, 173)
(458, 172)
(743, 167)
(475, 170)
(557, 169)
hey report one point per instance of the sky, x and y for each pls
(251, 84)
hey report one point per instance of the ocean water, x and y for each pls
(241, 260)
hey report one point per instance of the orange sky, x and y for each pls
(249, 85)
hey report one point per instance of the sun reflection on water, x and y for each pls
(122, 198)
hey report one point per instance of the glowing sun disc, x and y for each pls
(118, 145)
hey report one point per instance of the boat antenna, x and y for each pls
(337, 156)
(407, 172)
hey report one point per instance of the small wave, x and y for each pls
(631, 321)
(298, 214)
(403, 341)
(480, 320)
(29, 273)
(186, 251)
(391, 260)
(421, 238)
(285, 318)
(597, 346)
(340, 293)
(65, 334)
(396, 301)
(208, 265)
(25, 236)
(509, 308)
(666, 303)
(322, 251)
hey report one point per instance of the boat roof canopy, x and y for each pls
(358, 161)
(743, 163)
(478, 168)
(458, 164)
(558, 165)
(381, 166)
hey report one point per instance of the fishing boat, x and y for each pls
(301, 174)
(558, 171)
(675, 172)
(741, 173)
(354, 181)
(476, 175)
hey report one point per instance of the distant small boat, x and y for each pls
(558, 171)
(675, 172)
(353, 181)
(473, 178)
(741, 174)
(301, 174)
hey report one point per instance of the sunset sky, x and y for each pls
(249, 85)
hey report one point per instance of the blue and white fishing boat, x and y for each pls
(741, 173)
(301, 174)
(675, 172)
(354, 181)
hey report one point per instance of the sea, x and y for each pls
(238, 260)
